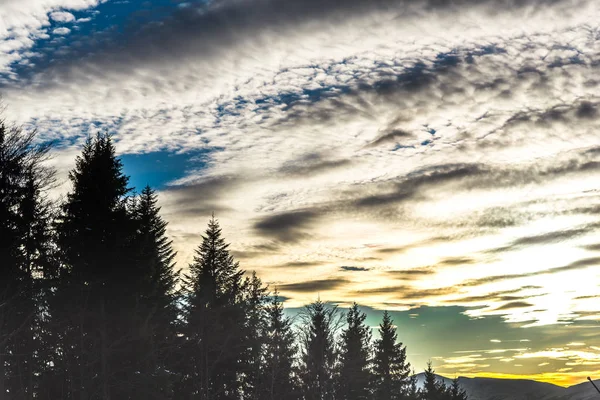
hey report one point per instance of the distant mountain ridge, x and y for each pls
(519, 389)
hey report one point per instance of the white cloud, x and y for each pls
(24, 20)
(62, 16)
(512, 91)
(61, 31)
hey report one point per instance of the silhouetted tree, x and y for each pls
(319, 355)
(279, 378)
(155, 314)
(215, 344)
(432, 388)
(389, 363)
(255, 298)
(355, 357)
(456, 392)
(25, 258)
(412, 392)
(94, 301)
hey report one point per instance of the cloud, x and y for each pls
(312, 164)
(451, 261)
(300, 264)
(286, 227)
(404, 293)
(392, 137)
(411, 274)
(62, 16)
(315, 286)
(329, 124)
(353, 268)
(576, 265)
(514, 304)
(495, 297)
(61, 31)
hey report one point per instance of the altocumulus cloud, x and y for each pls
(422, 145)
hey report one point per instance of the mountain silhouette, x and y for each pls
(518, 389)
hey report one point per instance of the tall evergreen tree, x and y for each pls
(25, 258)
(215, 317)
(94, 299)
(155, 314)
(319, 354)
(355, 357)
(279, 379)
(255, 297)
(390, 366)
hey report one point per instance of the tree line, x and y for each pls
(92, 305)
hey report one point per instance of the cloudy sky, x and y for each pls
(436, 158)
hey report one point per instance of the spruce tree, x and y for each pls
(319, 354)
(25, 258)
(155, 314)
(93, 303)
(255, 297)
(456, 392)
(389, 363)
(355, 357)
(412, 392)
(215, 343)
(279, 379)
(432, 388)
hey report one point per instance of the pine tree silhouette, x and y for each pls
(432, 388)
(26, 259)
(355, 357)
(255, 298)
(155, 314)
(215, 314)
(456, 392)
(93, 303)
(279, 376)
(319, 355)
(390, 366)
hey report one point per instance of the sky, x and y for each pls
(439, 159)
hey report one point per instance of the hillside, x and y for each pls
(519, 389)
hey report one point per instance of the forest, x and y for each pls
(93, 306)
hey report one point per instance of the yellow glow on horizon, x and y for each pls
(563, 379)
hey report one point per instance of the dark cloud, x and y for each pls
(199, 198)
(392, 137)
(576, 265)
(393, 250)
(411, 274)
(288, 226)
(314, 286)
(514, 304)
(312, 164)
(592, 247)
(405, 292)
(408, 188)
(451, 261)
(353, 268)
(595, 296)
(256, 251)
(564, 114)
(301, 264)
(209, 30)
(546, 238)
(504, 295)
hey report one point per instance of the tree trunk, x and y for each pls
(104, 355)
(3, 395)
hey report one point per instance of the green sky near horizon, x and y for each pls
(442, 335)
